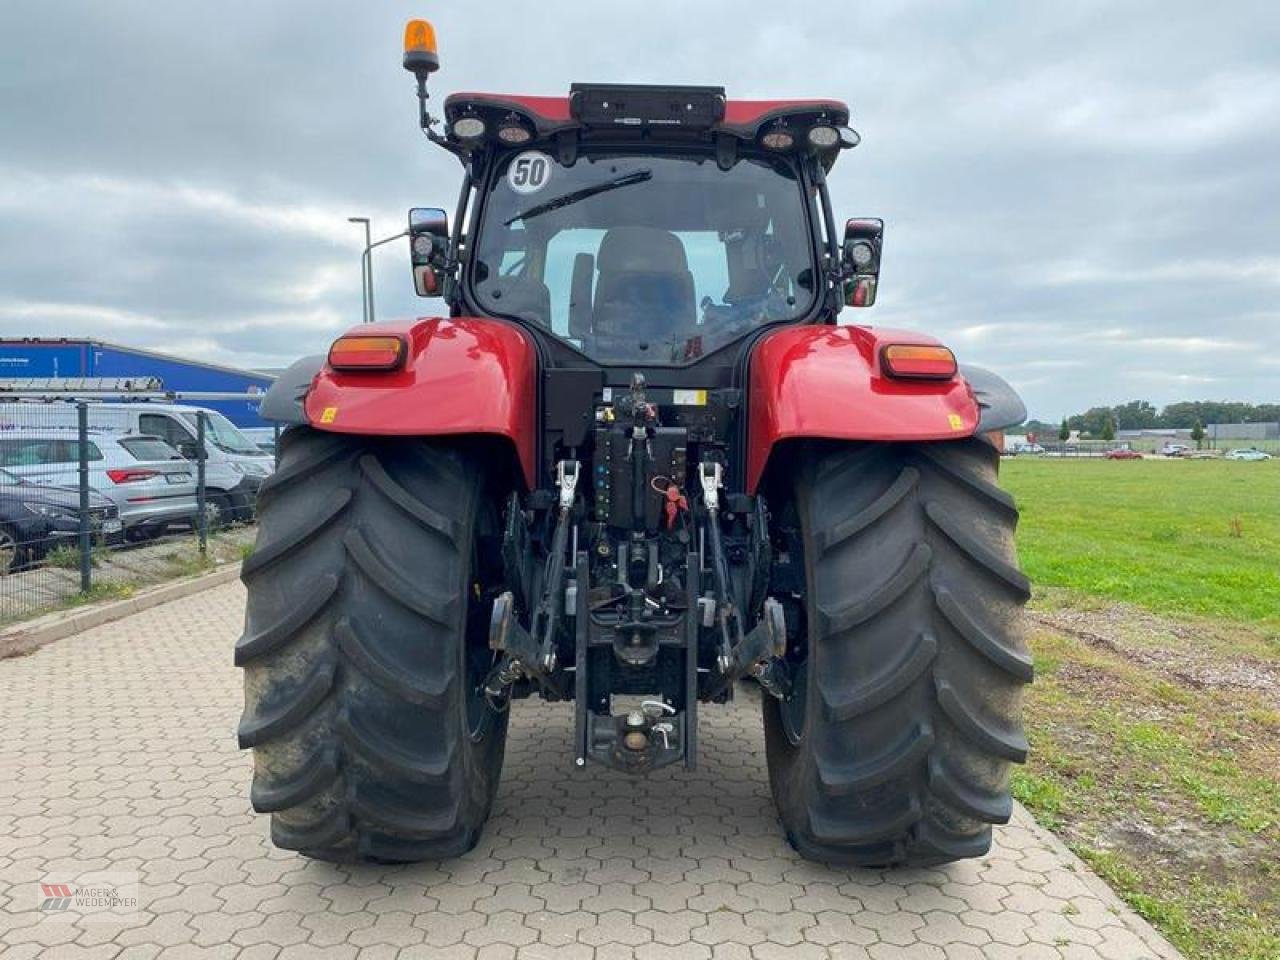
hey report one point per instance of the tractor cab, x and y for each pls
(644, 226)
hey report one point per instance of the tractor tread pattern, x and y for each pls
(317, 458)
(914, 712)
(842, 531)
(1016, 663)
(995, 497)
(266, 555)
(987, 806)
(296, 706)
(888, 683)
(397, 680)
(1012, 745)
(868, 827)
(400, 761)
(317, 835)
(837, 779)
(356, 619)
(411, 824)
(271, 637)
(839, 618)
(394, 584)
(417, 510)
(316, 773)
(1004, 570)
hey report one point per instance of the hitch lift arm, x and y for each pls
(532, 653)
(759, 652)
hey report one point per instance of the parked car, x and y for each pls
(264, 437)
(1029, 448)
(235, 466)
(1174, 450)
(149, 482)
(1123, 454)
(34, 518)
(1247, 453)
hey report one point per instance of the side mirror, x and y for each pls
(863, 239)
(428, 244)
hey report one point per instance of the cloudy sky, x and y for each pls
(1083, 196)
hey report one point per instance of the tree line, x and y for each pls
(1103, 422)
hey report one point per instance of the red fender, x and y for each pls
(463, 375)
(826, 382)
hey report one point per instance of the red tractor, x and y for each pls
(633, 464)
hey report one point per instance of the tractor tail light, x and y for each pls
(918, 362)
(366, 353)
(131, 476)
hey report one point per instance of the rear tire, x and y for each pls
(896, 749)
(366, 629)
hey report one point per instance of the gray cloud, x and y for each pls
(1082, 196)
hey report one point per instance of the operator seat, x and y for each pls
(644, 288)
(522, 297)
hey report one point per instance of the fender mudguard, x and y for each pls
(999, 405)
(283, 400)
(462, 375)
(823, 382)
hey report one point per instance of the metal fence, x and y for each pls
(1145, 446)
(101, 495)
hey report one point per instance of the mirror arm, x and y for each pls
(835, 263)
(828, 218)
(453, 254)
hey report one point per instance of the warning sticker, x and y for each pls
(689, 398)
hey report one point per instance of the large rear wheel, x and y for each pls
(895, 748)
(365, 648)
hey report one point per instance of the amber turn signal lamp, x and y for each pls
(420, 52)
(918, 361)
(366, 353)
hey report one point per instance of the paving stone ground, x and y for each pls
(118, 755)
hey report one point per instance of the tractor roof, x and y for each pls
(652, 111)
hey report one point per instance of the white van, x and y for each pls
(234, 465)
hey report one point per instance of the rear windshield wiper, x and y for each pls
(626, 180)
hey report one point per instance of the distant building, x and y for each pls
(1243, 431)
(1176, 434)
(46, 358)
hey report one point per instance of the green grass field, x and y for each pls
(1183, 537)
(1154, 720)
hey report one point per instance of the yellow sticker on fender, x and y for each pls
(327, 414)
(689, 398)
(956, 421)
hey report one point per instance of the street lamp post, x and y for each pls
(368, 264)
(366, 280)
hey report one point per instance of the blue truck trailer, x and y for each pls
(40, 357)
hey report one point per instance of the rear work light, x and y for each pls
(131, 476)
(512, 130)
(914, 361)
(360, 352)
